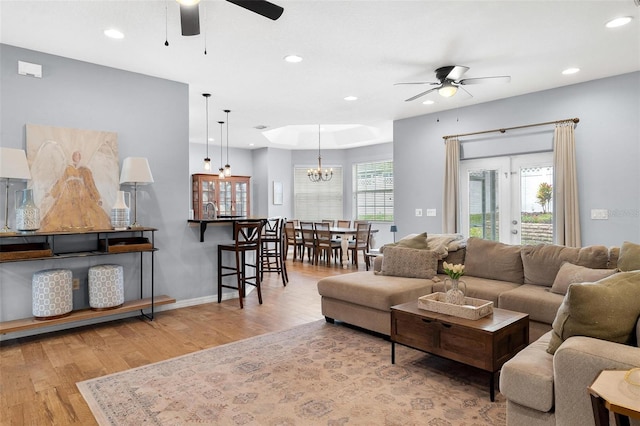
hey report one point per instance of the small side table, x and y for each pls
(608, 394)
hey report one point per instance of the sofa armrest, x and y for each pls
(576, 364)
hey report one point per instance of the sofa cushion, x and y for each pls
(608, 310)
(542, 262)
(375, 291)
(410, 263)
(614, 254)
(453, 257)
(527, 378)
(479, 288)
(537, 301)
(629, 259)
(571, 274)
(493, 260)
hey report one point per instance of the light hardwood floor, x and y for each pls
(38, 374)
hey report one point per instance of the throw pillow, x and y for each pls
(409, 263)
(629, 259)
(417, 242)
(572, 274)
(493, 260)
(542, 262)
(606, 310)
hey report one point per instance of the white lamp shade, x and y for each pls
(13, 164)
(136, 170)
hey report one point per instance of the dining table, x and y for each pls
(346, 234)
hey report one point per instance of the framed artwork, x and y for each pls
(277, 193)
(74, 176)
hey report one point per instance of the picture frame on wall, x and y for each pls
(277, 193)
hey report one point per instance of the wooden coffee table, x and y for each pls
(486, 343)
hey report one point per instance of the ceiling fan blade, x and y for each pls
(417, 82)
(261, 7)
(190, 20)
(482, 80)
(451, 72)
(419, 95)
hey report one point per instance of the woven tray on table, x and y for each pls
(473, 309)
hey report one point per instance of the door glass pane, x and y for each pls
(536, 213)
(225, 198)
(241, 199)
(484, 213)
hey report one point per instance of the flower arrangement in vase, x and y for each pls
(454, 295)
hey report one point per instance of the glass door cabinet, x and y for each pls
(214, 197)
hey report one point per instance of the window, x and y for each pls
(373, 188)
(317, 200)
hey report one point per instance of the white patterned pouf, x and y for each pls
(106, 286)
(52, 293)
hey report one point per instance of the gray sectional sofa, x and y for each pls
(541, 388)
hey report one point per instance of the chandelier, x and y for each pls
(318, 175)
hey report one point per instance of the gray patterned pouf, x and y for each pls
(106, 287)
(52, 293)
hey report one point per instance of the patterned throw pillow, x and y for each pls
(606, 310)
(409, 262)
(572, 274)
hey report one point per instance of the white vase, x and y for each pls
(120, 211)
(27, 213)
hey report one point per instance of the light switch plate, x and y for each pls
(599, 214)
(431, 212)
(418, 212)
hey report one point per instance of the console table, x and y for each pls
(38, 246)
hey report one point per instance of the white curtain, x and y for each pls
(450, 199)
(565, 188)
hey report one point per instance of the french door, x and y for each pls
(508, 199)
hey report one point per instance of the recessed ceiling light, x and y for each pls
(351, 98)
(570, 71)
(294, 59)
(113, 33)
(618, 22)
(428, 102)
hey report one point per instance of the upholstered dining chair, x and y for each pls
(247, 240)
(308, 240)
(294, 239)
(324, 244)
(344, 223)
(360, 243)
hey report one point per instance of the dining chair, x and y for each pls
(344, 223)
(294, 239)
(272, 248)
(360, 243)
(247, 239)
(308, 240)
(324, 244)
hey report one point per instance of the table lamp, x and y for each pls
(13, 165)
(136, 171)
(394, 229)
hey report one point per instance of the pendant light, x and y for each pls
(207, 160)
(317, 175)
(227, 167)
(221, 169)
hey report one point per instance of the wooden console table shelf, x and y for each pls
(57, 246)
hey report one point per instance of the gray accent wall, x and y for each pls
(607, 151)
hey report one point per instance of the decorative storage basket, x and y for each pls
(52, 293)
(472, 309)
(106, 287)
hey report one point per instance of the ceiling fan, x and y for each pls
(450, 80)
(190, 12)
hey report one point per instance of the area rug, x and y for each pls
(314, 374)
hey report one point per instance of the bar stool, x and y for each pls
(106, 287)
(247, 238)
(52, 293)
(272, 246)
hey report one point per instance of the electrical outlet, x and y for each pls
(418, 212)
(76, 283)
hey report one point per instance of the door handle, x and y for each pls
(514, 222)
(514, 231)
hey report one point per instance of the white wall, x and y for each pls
(607, 152)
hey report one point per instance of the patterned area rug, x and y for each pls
(314, 374)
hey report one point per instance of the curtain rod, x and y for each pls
(503, 130)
